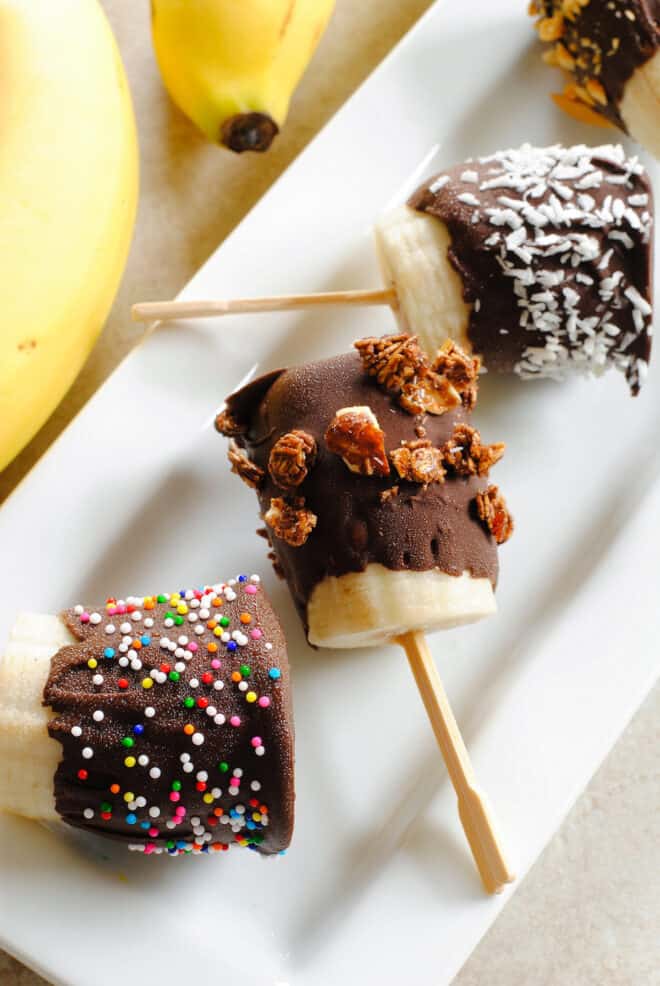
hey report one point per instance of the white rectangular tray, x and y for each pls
(136, 494)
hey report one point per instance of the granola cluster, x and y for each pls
(291, 522)
(249, 471)
(402, 369)
(291, 458)
(419, 462)
(461, 370)
(229, 426)
(466, 456)
(493, 512)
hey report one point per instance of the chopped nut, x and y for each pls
(493, 512)
(249, 471)
(573, 107)
(401, 369)
(277, 568)
(551, 28)
(461, 370)
(356, 436)
(596, 91)
(291, 458)
(389, 494)
(290, 523)
(228, 425)
(465, 454)
(418, 462)
(564, 58)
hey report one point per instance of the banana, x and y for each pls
(412, 251)
(232, 65)
(640, 106)
(68, 182)
(29, 757)
(364, 609)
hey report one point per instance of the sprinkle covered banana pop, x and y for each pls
(163, 721)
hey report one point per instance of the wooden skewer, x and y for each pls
(473, 807)
(168, 311)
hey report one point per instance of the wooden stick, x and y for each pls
(473, 808)
(168, 311)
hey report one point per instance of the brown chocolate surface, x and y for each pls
(553, 246)
(603, 42)
(185, 746)
(361, 518)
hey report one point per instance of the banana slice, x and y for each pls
(412, 251)
(28, 756)
(364, 609)
(640, 106)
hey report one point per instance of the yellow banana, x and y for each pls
(232, 65)
(68, 192)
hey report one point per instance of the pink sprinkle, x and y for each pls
(256, 634)
(251, 590)
(180, 811)
(264, 701)
(149, 848)
(192, 646)
(112, 610)
(256, 741)
(84, 617)
(121, 609)
(215, 663)
(153, 833)
(235, 721)
(175, 796)
(198, 594)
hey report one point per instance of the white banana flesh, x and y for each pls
(640, 106)
(28, 755)
(412, 250)
(369, 608)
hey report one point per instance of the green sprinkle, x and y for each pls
(169, 616)
(176, 785)
(188, 702)
(174, 675)
(245, 670)
(224, 766)
(178, 620)
(170, 844)
(128, 741)
(224, 621)
(161, 599)
(106, 806)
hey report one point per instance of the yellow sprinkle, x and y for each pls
(129, 796)
(182, 609)
(147, 682)
(130, 761)
(217, 632)
(256, 816)
(208, 799)
(92, 663)
(251, 696)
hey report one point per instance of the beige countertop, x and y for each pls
(589, 911)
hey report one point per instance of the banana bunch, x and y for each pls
(68, 186)
(232, 65)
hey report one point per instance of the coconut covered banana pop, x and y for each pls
(610, 50)
(163, 721)
(374, 488)
(536, 259)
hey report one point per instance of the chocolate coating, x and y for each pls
(420, 528)
(125, 730)
(553, 246)
(608, 40)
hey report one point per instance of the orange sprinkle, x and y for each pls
(212, 648)
(216, 602)
(236, 676)
(149, 604)
(218, 812)
(115, 789)
(188, 729)
(246, 618)
(137, 645)
(212, 624)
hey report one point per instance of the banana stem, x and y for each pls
(169, 311)
(473, 808)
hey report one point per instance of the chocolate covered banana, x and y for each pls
(610, 51)
(537, 259)
(374, 489)
(163, 721)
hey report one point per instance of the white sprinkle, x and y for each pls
(87, 753)
(155, 773)
(109, 628)
(260, 750)
(150, 712)
(439, 183)
(242, 686)
(211, 710)
(218, 685)
(194, 683)
(76, 731)
(198, 739)
(95, 618)
(255, 786)
(98, 715)
(125, 628)
(79, 610)
(143, 760)
(97, 680)
(219, 720)
(136, 615)
(88, 813)
(148, 622)
(154, 812)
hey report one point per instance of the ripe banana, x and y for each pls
(29, 757)
(412, 251)
(68, 181)
(232, 65)
(363, 609)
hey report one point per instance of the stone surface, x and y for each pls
(588, 913)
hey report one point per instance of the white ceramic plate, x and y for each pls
(378, 885)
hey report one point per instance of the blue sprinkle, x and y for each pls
(131, 819)
(145, 825)
(250, 825)
(252, 846)
(109, 652)
(172, 852)
(282, 852)
(232, 645)
(146, 639)
(274, 673)
(181, 844)
(242, 578)
(138, 729)
(233, 813)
